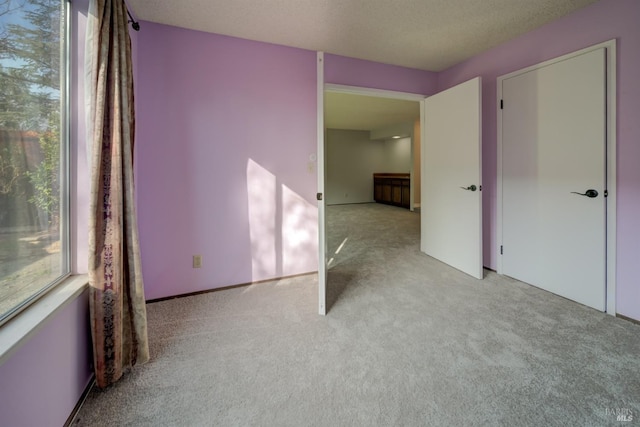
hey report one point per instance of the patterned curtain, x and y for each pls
(118, 313)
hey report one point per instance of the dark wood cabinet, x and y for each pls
(392, 189)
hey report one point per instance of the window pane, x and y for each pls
(33, 245)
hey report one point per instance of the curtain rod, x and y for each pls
(134, 24)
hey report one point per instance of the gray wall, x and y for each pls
(352, 159)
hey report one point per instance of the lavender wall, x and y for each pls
(356, 72)
(599, 22)
(225, 130)
(43, 380)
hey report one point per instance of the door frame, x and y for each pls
(321, 161)
(610, 173)
(320, 166)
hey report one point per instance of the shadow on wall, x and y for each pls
(282, 240)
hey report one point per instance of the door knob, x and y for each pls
(470, 188)
(589, 193)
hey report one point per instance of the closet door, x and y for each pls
(554, 177)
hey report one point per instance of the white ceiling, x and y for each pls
(425, 34)
(358, 112)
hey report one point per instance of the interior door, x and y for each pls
(554, 177)
(451, 220)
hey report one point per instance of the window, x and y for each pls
(34, 241)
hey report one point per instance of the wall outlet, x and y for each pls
(197, 261)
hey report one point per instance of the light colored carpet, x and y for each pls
(408, 342)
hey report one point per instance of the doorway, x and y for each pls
(366, 135)
(322, 223)
(456, 108)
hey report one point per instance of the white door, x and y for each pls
(554, 177)
(451, 220)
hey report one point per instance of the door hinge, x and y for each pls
(502, 104)
(319, 196)
(500, 249)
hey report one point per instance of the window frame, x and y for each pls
(65, 170)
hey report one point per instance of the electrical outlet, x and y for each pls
(197, 261)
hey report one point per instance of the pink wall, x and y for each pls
(356, 72)
(605, 20)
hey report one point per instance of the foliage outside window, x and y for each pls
(33, 147)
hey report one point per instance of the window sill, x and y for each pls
(18, 330)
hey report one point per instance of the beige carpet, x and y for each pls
(408, 342)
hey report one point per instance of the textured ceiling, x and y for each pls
(425, 34)
(357, 112)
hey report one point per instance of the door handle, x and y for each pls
(470, 188)
(589, 193)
